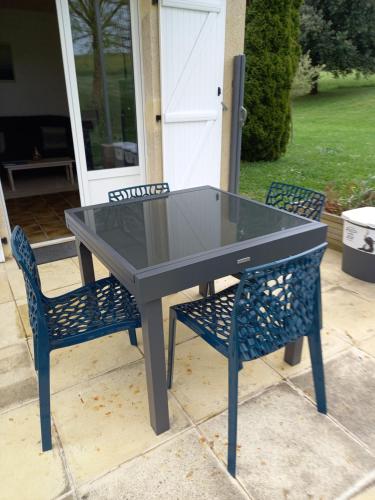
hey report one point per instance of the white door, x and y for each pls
(192, 36)
(101, 55)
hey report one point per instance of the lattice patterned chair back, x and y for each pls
(275, 304)
(297, 200)
(25, 258)
(139, 191)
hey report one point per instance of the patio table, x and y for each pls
(163, 244)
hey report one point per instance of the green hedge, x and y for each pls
(272, 54)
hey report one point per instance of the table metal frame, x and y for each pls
(151, 284)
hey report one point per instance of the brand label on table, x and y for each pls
(360, 238)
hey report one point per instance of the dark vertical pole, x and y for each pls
(238, 119)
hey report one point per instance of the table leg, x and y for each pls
(293, 352)
(203, 289)
(153, 341)
(86, 264)
(11, 180)
(71, 173)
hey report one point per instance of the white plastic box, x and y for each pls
(358, 257)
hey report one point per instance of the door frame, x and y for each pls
(83, 175)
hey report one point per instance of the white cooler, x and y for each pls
(358, 258)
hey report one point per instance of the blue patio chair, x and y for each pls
(92, 311)
(139, 191)
(273, 305)
(293, 199)
(296, 200)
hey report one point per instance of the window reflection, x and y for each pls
(102, 44)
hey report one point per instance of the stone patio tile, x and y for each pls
(75, 364)
(200, 381)
(104, 422)
(17, 378)
(181, 469)
(332, 274)
(5, 291)
(24, 315)
(286, 449)
(331, 345)
(368, 346)
(348, 314)
(54, 275)
(11, 329)
(59, 274)
(350, 386)
(16, 282)
(25, 472)
(183, 334)
(368, 494)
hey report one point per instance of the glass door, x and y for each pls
(100, 40)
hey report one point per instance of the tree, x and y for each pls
(339, 34)
(272, 55)
(99, 25)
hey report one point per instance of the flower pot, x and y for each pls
(335, 225)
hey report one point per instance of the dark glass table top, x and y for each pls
(152, 231)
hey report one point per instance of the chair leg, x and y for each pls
(133, 336)
(315, 348)
(211, 288)
(232, 418)
(171, 346)
(35, 345)
(44, 399)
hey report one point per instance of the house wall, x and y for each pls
(234, 44)
(35, 45)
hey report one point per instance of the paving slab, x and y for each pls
(25, 472)
(287, 450)
(350, 386)
(5, 291)
(182, 469)
(332, 275)
(17, 377)
(348, 314)
(11, 328)
(105, 421)
(331, 345)
(200, 381)
(75, 364)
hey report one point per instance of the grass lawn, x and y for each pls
(333, 140)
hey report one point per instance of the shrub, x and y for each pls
(272, 54)
(359, 194)
(305, 76)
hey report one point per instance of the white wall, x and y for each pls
(39, 87)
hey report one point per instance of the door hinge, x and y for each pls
(158, 118)
(219, 91)
(154, 2)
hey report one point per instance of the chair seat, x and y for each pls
(210, 317)
(89, 312)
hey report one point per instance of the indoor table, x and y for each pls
(163, 244)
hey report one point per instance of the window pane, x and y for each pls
(103, 54)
